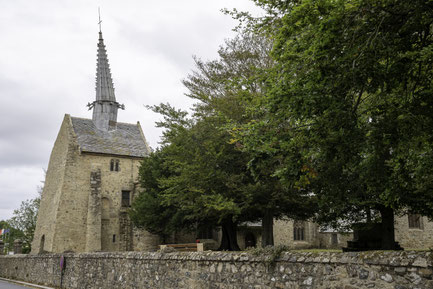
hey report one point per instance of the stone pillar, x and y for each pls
(94, 223)
(18, 246)
(125, 232)
(2, 247)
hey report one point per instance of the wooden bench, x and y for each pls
(188, 247)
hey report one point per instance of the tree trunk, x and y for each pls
(268, 229)
(388, 235)
(229, 240)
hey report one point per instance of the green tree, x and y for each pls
(202, 180)
(227, 87)
(351, 93)
(149, 210)
(23, 222)
(9, 237)
(209, 178)
(224, 87)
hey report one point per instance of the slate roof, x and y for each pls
(126, 140)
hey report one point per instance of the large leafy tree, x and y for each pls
(352, 94)
(226, 88)
(209, 178)
(148, 209)
(198, 181)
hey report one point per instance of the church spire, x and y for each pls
(105, 106)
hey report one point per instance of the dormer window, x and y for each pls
(114, 165)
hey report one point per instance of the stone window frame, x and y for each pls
(415, 221)
(125, 202)
(114, 165)
(299, 231)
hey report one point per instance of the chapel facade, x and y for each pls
(92, 178)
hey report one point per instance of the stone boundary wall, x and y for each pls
(376, 269)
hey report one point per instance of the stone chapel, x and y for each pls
(92, 177)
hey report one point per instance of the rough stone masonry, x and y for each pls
(376, 269)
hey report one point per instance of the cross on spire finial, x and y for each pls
(100, 21)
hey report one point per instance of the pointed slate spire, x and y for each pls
(104, 82)
(105, 106)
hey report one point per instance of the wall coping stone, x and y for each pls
(418, 259)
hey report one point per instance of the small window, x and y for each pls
(114, 165)
(114, 238)
(415, 221)
(126, 197)
(298, 231)
(334, 239)
(42, 245)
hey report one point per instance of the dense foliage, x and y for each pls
(24, 221)
(196, 179)
(336, 122)
(352, 94)
(201, 176)
(22, 225)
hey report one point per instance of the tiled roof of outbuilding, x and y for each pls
(126, 140)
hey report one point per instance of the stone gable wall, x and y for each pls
(387, 270)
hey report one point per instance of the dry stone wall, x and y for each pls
(396, 270)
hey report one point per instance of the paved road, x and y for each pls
(7, 285)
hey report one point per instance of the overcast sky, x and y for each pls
(48, 66)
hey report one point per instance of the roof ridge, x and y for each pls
(78, 117)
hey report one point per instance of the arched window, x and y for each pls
(42, 245)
